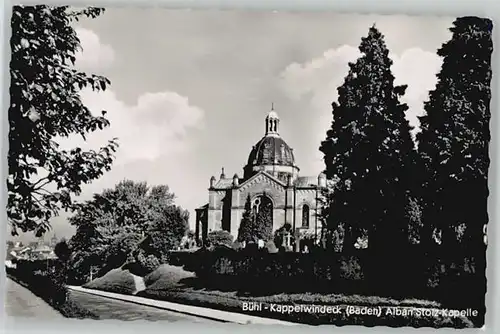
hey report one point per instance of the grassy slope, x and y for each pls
(116, 280)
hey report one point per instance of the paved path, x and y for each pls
(130, 301)
(108, 308)
(20, 302)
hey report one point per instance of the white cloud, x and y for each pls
(156, 125)
(317, 80)
(417, 69)
(94, 53)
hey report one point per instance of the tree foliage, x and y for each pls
(118, 221)
(453, 143)
(45, 104)
(368, 152)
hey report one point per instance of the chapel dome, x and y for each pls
(271, 150)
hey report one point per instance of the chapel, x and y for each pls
(271, 178)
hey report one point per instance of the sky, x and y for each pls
(190, 88)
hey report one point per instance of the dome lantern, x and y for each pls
(271, 153)
(272, 123)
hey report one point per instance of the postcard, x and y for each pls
(249, 167)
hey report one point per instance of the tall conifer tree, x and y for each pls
(369, 152)
(453, 143)
(246, 231)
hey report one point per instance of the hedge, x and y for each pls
(455, 280)
(46, 280)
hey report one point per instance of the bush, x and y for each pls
(216, 238)
(140, 263)
(149, 263)
(323, 271)
(46, 282)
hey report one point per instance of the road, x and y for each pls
(108, 308)
(20, 302)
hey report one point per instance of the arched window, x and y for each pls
(305, 215)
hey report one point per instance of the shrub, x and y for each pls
(350, 269)
(140, 263)
(48, 285)
(220, 238)
(150, 263)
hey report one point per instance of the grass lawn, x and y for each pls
(174, 284)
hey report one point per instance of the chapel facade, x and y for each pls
(271, 179)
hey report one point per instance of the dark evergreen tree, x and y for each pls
(368, 152)
(247, 222)
(256, 226)
(453, 143)
(453, 146)
(264, 220)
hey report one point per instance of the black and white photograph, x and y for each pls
(248, 166)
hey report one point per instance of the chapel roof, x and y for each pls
(271, 150)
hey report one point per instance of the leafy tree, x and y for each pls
(166, 233)
(220, 238)
(368, 152)
(113, 223)
(118, 250)
(46, 105)
(453, 143)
